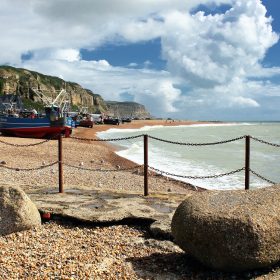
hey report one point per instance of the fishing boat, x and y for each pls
(23, 123)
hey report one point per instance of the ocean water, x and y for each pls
(206, 160)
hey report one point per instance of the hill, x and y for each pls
(26, 82)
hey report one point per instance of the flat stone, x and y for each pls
(102, 207)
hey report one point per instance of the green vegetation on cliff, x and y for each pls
(26, 83)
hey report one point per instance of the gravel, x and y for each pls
(83, 155)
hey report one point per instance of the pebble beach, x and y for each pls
(63, 250)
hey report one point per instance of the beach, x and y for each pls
(84, 156)
(74, 250)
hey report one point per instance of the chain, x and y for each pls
(102, 170)
(30, 145)
(197, 144)
(197, 177)
(109, 140)
(261, 177)
(24, 145)
(29, 169)
(265, 142)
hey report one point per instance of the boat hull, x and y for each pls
(33, 128)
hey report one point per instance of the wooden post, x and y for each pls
(146, 192)
(247, 162)
(60, 168)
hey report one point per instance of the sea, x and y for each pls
(206, 160)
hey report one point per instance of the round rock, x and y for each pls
(17, 211)
(230, 230)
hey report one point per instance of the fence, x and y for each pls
(146, 167)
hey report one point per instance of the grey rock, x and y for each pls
(17, 211)
(230, 230)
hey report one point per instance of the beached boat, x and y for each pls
(28, 124)
(15, 121)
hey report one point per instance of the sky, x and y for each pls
(184, 59)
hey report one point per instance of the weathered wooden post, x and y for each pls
(247, 162)
(60, 167)
(146, 165)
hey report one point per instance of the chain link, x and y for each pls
(197, 177)
(261, 177)
(29, 169)
(197, 144)
(102, 170)
(109, 139)
(265, 142)
(24, 145)
(29, 145)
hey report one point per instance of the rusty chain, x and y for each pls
(197, 144)
(265, 142)
(109, 140)
(102, 170)
(24, 145)
(30, 145)
(29, 169)
(197, 177)
(263, 178)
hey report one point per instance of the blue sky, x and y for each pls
(192, 59)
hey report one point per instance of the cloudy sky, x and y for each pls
(188, 59)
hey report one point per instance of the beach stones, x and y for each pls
(230, 230)
(17, 211)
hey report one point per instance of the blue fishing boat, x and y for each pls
(23, 123)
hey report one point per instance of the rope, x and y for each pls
(197, 144)
(197, 177)
(29, 169)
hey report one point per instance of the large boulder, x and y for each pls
(230, 230)
(17, 211)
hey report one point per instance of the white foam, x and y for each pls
(198, 163)
(107, 133)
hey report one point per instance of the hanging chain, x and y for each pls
(29, 169)
(263, 178)
(197, 177)
(197, 144)
(108, 140)
(30, 145)
(265, 142)
(25, 145)
(102, 170)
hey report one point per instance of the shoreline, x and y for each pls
(114, 158)
(88, 164)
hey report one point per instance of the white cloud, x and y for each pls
(212, 59)
(70, 55)
(154, 89)
(215, 49)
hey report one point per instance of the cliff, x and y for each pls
(127, 109)
(25, 83)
